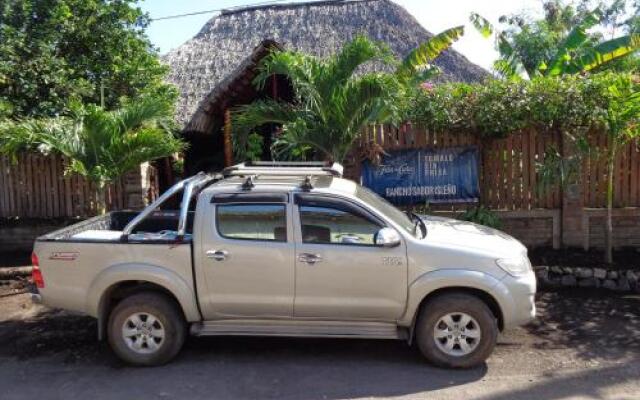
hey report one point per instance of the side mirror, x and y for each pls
(387, 237)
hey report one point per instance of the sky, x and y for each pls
(435, 16)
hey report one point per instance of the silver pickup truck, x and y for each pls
(286, 249)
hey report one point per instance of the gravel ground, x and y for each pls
(584, 345)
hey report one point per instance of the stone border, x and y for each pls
(557, 276)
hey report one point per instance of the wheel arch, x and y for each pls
(430, 285)
(118, 282)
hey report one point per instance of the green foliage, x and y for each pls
(101, 145)
(557, 168)
(570, 104)
(481, 215)
(562, 42)
(330, 106)
(56, 51)
(255, 141)
(417, 66)
(332, 100)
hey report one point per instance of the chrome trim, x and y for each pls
(186, 185)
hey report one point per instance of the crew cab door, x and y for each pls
(246, 257)
(340, 273)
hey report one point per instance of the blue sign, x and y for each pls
(425, 175)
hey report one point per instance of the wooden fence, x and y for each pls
(509, 177)
(36, 187)
(626, 175)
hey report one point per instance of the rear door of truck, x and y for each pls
(244, 255)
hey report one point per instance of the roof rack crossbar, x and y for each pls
(284, 168)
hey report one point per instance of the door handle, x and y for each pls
(309, 258)
(218, 255)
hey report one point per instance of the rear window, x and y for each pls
(266, 222)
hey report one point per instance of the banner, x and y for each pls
(417, 176)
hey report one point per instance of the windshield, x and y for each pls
(388, 209)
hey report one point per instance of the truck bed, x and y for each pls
(108, 227)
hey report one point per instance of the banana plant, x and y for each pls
(573, 56)
(418, 66)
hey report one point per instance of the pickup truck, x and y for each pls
(286, 249)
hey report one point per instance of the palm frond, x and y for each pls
(339, 68)
(101, 145)
(142, 111)
(361, 97)
(300, 70)
(246, 118)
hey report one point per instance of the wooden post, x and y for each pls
(228, 148)
(572, 230)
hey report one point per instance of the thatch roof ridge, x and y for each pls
(319, 28)
(277, 6)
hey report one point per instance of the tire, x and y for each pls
(155, 329)
(453, 342)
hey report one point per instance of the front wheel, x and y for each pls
(456, 330)
(146, 329)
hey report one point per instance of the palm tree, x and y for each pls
(575, 54)
(333, 100)
(101, 145)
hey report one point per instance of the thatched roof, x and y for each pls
(229, 42)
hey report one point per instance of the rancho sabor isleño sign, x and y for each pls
(416, 176)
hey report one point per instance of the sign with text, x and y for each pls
(431, 175)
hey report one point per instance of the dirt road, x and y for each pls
(581, 347)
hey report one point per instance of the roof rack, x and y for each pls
(284, 168)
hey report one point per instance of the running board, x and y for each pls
(338, 329)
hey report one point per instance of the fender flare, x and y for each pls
(160, 276)
(429, 282)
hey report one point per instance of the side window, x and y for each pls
(252, 221)
(335, 226)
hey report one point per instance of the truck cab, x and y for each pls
(287, 249)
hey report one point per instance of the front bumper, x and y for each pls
(522, 291)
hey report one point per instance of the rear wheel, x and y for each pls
(456, 330)
(146, 329)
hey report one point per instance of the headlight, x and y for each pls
(515, 266)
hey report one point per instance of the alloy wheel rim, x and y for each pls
(143, 333)
(457, 334)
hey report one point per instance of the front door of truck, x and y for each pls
(247, 257)
(341, 274)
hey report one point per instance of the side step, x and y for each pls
(338, 329)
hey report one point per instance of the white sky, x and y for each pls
(434, 15)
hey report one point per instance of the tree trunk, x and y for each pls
(608, 233)
(101, 199)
